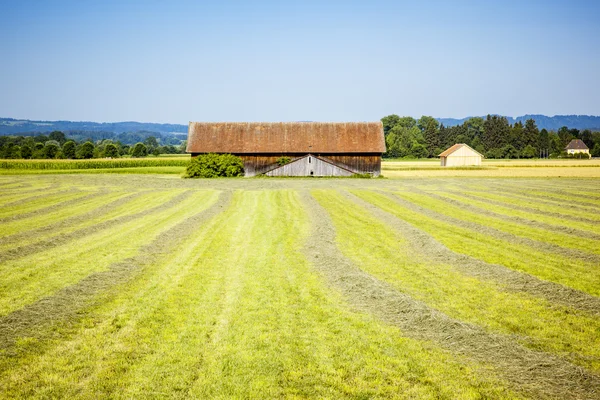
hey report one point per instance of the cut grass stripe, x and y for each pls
(562, 207)
(558, 239)
(566, 225)
(386, 254)
(94, 200)
(272, 330)
(88, 214)
(537, 208)
(554, 268)
(540, 374)
(41, 205)
(66, 307)
(27, 280)
(136, 209)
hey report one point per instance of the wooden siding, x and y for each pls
(256, 164)
(310, 166)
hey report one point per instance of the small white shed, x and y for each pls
(460, 155)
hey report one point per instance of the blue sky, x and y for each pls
(178, 61)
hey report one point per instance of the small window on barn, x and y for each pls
(309, 160)
(311, 173)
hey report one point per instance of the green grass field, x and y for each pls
(146, 285)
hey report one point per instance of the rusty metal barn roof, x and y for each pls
(285, 137)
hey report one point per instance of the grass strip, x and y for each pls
(539, 374)
(26, 280)
(554, 268)
(540, 235)
(271, 330)
(561, 331)
(549, 222)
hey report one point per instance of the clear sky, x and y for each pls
(176, 61)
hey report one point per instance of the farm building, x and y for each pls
(460, 155)
(577, 146)
(294, 148)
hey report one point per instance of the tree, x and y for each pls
(432, 138)
(139, 150)
(26, 151)
(58, 136)
(86, 150)
(544, 140)
(496, 132)
(564, 136)
(595, 151)
(531, 134)
(389, 122)
(151, 144)
(587, 138)
(111, 150)
(528, 152)
(51, 149)
(516, 136)
(69, 149)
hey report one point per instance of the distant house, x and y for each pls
(460, 155)
(294, 148)
(577, 146)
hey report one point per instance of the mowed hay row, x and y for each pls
(534, 322)
(29, 278)
(51, 223)
(93, 163)
(576, 274)
(539, 236)
(552, 222)
(41, 203)
(568, 216)
(555, 197)
(568, 209)
(271, 330)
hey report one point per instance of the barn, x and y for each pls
(294, 148)
(460, 155)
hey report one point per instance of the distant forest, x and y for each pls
(56, 145)
(493, 136)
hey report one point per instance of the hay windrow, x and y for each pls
(529, 222)
(509, 279)
(538, 374)
(498, 234)
(53, 207)
(22, 251)
(67, 306)
(71, 221)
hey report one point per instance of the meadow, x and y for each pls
(477, 283)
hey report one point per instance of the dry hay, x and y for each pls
(22, 251)
(67, 307)
(536, 373)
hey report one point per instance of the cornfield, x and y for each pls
(93, 163)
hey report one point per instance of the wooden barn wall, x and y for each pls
(256, 164)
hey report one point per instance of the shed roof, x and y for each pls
(285, 137)
(456, 147)
(576, 144)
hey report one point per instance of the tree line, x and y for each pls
(57, 145)
(493, 136)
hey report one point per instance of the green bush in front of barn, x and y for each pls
(214, 166)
